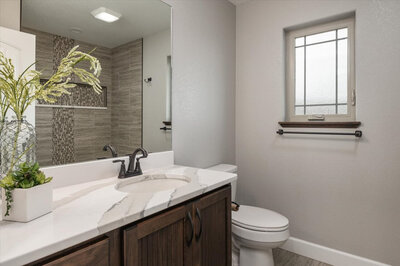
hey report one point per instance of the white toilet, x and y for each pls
(255, 231)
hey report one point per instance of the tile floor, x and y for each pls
(286, 258)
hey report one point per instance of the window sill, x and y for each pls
(319, 124)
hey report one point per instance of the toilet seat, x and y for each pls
(259, 219)
(261, 238)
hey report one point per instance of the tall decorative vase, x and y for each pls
(2, 123)
(18, 140)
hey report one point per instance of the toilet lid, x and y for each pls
(259, 219)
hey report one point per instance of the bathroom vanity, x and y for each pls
(196, 232)
(171, 215)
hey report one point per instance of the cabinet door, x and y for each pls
(212, 219)
(164, 240)
(103, 250)
(96, 254)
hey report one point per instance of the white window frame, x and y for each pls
(290, 71)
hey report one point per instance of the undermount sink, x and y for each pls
(153, 183)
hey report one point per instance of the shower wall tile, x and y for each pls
(92, 127)
(61, 47)
(120, 124)
(87, 97)
(100, 124)
(44, 52)
(126, 117)
(44, 136)
(63, 136)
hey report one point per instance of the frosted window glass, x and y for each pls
(342, 71)
(321, 37)
(299, 76)
(342, 33)
(342, 109)
(321, 73)
(299, 41)
(299, 110)
(321, 110)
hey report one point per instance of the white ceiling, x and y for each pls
(139, 18)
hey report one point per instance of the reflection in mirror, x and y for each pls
(134, 50)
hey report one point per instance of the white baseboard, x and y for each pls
(327, 255)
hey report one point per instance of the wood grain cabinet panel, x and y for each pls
(96, 254)
(161, 240)
(197, 233)
(213, 229)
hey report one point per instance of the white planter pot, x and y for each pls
(28, 204)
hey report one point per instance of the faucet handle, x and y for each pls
(122, 171)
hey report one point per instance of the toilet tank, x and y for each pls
(229, 168)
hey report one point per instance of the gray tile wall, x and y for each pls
(44, 136)
(93, 127)
(119, 124)
(126, 115)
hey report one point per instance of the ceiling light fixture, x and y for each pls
(106, 14)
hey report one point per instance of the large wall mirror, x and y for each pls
(134, 109)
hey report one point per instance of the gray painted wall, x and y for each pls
(337, 192)
(203, 82)
(156, 49)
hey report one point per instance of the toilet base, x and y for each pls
(235, 253)
(256, 257)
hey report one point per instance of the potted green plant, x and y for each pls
(17, 92)
(27, 193)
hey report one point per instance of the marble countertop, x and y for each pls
(86, 210)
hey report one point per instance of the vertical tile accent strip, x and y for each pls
(63, 119)
(61, 47)
(63, 136)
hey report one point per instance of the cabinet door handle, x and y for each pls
(198, 235)
(189, 217)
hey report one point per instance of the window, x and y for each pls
(320, 72)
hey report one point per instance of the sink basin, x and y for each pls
(153, 183)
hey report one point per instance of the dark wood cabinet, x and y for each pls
(100, 251)
(94, 254)
(198, 234)
(212, 244)
(195, 233)
(160, 240)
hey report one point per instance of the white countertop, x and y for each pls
(86, 210)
